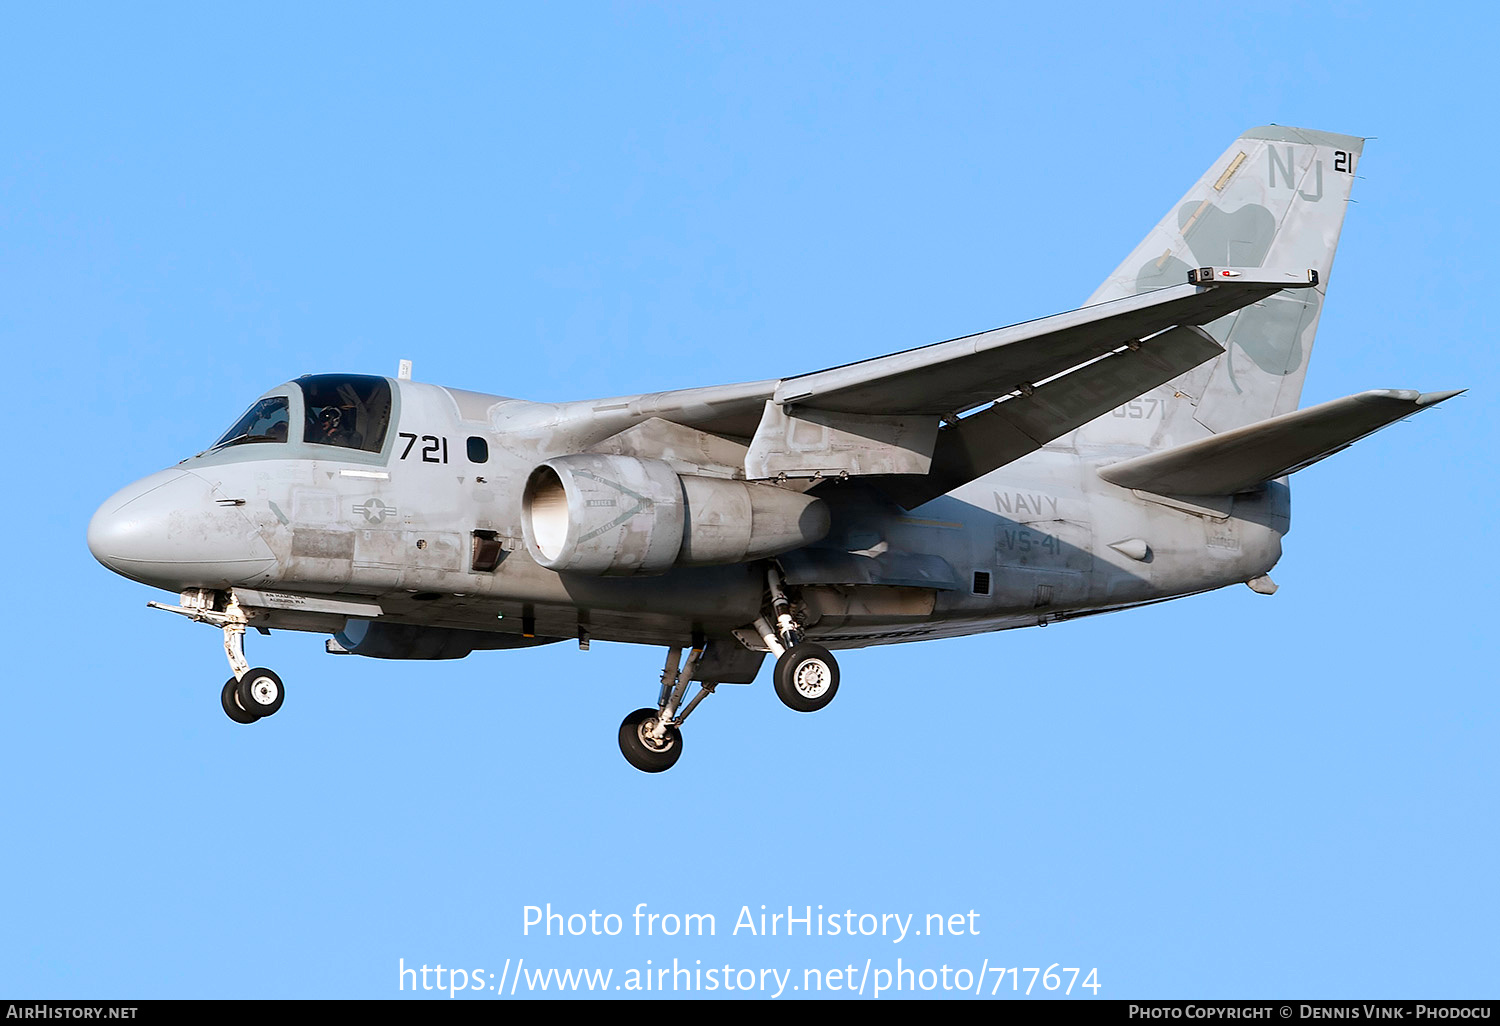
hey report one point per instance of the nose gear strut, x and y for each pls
(254, 692)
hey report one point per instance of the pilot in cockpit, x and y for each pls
(336, 427)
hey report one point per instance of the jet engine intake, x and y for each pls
(623, 516)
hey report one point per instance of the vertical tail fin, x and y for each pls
(1276, 198)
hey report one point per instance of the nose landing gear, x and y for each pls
(253, 693)
(254, 696)
(229, 698)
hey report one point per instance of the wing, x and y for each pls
(950, 377)
(884, 417)
(1045, 378)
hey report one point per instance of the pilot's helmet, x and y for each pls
(329, 418)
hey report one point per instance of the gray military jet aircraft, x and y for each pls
(1133, 450)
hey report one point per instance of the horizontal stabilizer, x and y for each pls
(1239, 460)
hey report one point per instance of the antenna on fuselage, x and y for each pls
(403, 371)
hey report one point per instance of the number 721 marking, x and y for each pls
(434, 448)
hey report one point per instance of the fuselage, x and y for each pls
(425, 523)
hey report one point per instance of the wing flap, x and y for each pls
(1242, 459)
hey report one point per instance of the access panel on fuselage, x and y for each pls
(1043, 549)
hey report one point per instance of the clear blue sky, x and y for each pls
(1228, 795)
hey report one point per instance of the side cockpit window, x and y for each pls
(350, 411)
(266, 421)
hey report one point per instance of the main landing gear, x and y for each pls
(253, 693)
(806, 679)
(651, 739)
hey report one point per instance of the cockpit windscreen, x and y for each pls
(351, 411)
(266, 421)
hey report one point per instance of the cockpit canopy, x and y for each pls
(266, 421)
(347, 411)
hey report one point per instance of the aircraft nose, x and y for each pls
(172, 530)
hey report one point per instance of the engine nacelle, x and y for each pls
(623, 516)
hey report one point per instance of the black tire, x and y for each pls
(807, 677)
(261, 691)
(229, 698)
(643, 753)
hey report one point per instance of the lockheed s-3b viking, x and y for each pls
(1132, 450)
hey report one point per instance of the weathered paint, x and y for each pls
(1044, 534)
